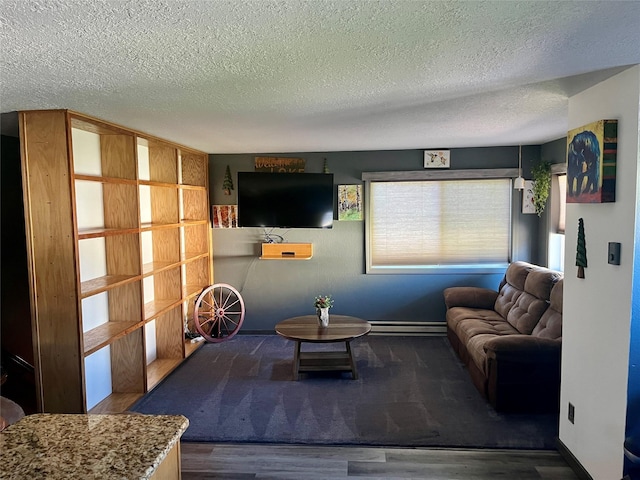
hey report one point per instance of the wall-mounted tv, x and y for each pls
(285, 200)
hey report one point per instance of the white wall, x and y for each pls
(597, 309)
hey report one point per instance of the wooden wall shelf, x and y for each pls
(287, 251)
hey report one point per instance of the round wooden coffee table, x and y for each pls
(306, 329)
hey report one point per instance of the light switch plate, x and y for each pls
(614, 253)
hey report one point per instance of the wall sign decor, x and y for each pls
(350, 202)
(591, 162)
(528, 206)
(436, 158)
(224, 216)
(581, 250)
(280, 164)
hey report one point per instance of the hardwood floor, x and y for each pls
(246, 461)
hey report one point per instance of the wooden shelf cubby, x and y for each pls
(116, 369)
(194, 170)
(164, 340)
(196, 204)
(118, 226)
(162, 291)
(195, 239)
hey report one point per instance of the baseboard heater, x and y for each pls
(418, 329)
(381, 327)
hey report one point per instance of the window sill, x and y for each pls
(493, 268)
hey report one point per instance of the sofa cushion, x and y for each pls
(457, 314)
(533, 302)
(550, 324)
(526, 313)
(517, 274)
(540, 282)
(513, 286)
(506, 300)
(472, 327)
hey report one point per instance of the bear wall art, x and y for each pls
(591, 162)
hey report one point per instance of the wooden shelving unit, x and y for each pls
(119, 245)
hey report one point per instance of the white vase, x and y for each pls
(323, 316)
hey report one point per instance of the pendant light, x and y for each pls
(518, 183)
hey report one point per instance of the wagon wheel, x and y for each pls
(218, 313)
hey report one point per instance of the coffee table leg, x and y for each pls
(296, 360)
(352, 362)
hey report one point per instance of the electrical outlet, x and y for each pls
(572, 413)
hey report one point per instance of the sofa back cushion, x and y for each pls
(524, 295)
(550, 324)
(531, 305)
(511, 287)
(526, 313)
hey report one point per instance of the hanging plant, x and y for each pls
(541, 185)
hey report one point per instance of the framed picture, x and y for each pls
(224, 216)
(591, 162)
(527, 197)
(350, 202)
(436, 158)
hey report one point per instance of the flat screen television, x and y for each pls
(285, 200)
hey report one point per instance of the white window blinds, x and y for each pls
(443, 222)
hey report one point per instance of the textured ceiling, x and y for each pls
(295, 76)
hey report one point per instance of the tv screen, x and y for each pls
(286, 200)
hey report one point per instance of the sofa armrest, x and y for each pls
(472, 297)
(523, 349)
(523, 373)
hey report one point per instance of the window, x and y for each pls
(561, 204)
(444, 225)
(558, 206)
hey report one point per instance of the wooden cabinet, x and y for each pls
(119, 245)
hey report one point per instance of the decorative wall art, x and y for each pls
(436, 158)
(349, 202)
(591, 162)
(227, 183)
(528, 205)
(581, 249)
(225, 216)
(279, 164)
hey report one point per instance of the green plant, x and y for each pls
(541, 185)
(323, 301)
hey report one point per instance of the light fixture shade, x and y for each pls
(518, 183)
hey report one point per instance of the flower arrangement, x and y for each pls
(323, 301)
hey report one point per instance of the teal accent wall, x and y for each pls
(277, 289)
(632, 431)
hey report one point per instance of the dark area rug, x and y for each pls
(411, 391)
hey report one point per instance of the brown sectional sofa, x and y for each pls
(511, 339)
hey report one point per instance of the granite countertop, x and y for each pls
(63, 446)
